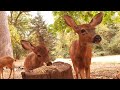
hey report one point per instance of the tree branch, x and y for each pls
(11, 16)
(17, 17)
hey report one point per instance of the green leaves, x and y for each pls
(39, 30)
(106, 29)
(58, 36)
(15, 38)
(19, 28)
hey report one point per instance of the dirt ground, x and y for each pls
(99, 70)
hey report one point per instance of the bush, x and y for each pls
(110, 44)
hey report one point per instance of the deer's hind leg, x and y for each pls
(82, 72)
(1, 73)
(87, 70)
(10, 66)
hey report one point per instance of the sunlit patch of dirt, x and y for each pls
(99, 70)
(104, 70)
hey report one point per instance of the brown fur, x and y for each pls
(37, 57)
(8, 62)
(81, 50)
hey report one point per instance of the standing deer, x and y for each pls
(8, 62)
(81, 50)
(37, 57)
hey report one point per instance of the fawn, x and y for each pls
(81, 50)
(37, 57)
(8, 62)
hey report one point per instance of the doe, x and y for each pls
(8, 62)
(81, 50)
(37, 57)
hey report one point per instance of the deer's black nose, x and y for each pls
(97, 39)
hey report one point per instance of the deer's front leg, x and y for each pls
(87, 68)
(76, 70)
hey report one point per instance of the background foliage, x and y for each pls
(109, 30)
(58, 36)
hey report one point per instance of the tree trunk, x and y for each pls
(58, 70)
(5, 39)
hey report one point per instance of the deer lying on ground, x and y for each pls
(9, 63)
(37, 57)
(81, 50)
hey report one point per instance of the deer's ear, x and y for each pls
(27, 45)
(70, 22)
(97, 19)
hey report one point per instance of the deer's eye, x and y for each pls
(83, 31)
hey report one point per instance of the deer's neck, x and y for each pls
(82, 45)
(84, 48)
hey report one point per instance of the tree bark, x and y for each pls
(58, 70)
(5, 39)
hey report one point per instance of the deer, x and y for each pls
(81, 49)
(9, 63)
(38, 56)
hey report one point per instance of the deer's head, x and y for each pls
(86, 32)
(41, 51)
